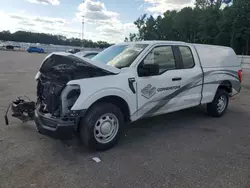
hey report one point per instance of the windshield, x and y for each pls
(120, 56)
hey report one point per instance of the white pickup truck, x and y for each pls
(130, 81)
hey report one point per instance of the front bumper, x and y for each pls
(54, 127)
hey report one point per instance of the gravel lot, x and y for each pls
(183, 149)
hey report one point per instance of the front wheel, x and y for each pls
(219, 105)
(101, 128)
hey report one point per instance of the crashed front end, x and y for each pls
(52, 113)
(55, 98)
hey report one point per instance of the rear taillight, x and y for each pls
(240, 75)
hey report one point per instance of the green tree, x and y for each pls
(241, 26)
(206, 23)
(185, 25)
(203, 4)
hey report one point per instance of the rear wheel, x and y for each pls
(101, 128)
(219, 105)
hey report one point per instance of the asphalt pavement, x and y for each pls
(182, 149)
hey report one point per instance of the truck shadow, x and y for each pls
(150, 127)
(139, 131)
(146, 131)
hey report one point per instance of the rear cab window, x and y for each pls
(187, 57)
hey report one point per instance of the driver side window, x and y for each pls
(163, 56)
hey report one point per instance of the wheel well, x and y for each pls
(119, 102)
(226, 85)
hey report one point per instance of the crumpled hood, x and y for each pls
(87, 61)
(100, 65)
(66, 67)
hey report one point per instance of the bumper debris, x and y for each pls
(21, 109)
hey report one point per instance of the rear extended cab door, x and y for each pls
(190, 93)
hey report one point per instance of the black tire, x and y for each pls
(212, 108)
(87, 125)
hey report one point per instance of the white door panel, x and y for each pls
(192, 95)
(192, 78)
(153, 92)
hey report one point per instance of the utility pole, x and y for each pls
(82, 38)
(82, 31)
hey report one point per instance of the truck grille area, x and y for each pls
(48, 94)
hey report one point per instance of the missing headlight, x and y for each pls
(69, 96)
(73, 93)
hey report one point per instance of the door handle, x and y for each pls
(176, 79)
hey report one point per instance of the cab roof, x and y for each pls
(151, 42)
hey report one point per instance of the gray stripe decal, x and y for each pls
(166, 99)
(229, 72)
(193, 83)
(236, 77)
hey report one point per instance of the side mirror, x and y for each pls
(148, 70)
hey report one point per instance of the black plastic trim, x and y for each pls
(131, 84)
(177, 56)
(176, 79)
(53, 127)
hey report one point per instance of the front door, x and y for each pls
(158, 94)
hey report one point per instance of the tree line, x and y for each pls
(207, 23)
(43, 38)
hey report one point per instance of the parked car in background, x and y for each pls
(73, 51)
(87, 54)
(2, 46)
(35, 49)
(9, 47)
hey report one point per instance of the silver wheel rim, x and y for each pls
(222, 103)
(106, 128)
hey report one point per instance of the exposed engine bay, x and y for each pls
(55, 98)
